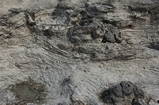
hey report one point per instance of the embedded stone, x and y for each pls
(117, 90)
(127, 87)
(139, 93)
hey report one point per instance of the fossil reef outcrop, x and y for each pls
(79, 52)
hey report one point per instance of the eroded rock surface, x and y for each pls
(28, 91)
(77, 48)
(125, 93)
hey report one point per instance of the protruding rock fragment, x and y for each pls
(138, 92)
(15, 10)
(30, 18)
(127, 87)
(117, 91)
(125, 93)
(106, 96)
(138, 101)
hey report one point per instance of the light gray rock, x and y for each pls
(77, 52)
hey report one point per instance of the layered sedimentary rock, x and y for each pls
(77, 52)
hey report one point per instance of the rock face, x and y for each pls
(79, 52)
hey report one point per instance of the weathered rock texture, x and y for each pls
(125, 93)
(70, 52)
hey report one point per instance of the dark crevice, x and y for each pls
(127, 27)
(114, 23)
(154, 45)
(104, 40)
(46, 33)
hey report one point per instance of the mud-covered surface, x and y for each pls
(28, 92)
